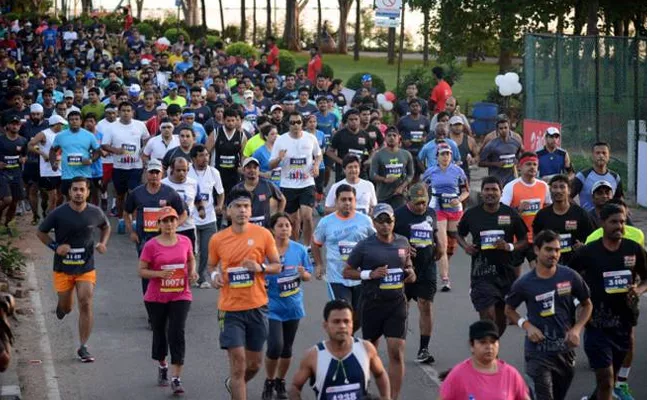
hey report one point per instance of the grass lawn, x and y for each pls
(472, 87)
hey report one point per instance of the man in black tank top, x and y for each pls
(466, 144)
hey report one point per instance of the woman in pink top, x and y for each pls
(483, 376)
(168, 261)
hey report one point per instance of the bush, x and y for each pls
(172, 34)
(327, 70)
(287, 62)
(241, 49)
(212, 40)
(11, 258)
(147, 30)
(424, 79)
(354, 82)
(230, 34)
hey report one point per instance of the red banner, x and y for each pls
(534, 133)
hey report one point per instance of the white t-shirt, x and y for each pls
(101, 128)
(366, 196)
(128, 137)
(156, 148)
(298, 161)
(188, 191)
(45, 167)
(208, 180)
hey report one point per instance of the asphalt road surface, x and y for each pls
(121, 341)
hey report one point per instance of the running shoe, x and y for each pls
(622, 392)
(280, 389)
(446, 285)
(84, 355)
(424, 357)
(59, 313)
(177, 386)
(228, 384)
(320, 209)
(163, 380)
(205, 285)
(269, 385)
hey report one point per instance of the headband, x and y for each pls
(236, 199)
(526, 159)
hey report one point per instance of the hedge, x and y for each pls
(241, 49)
(287, 62)
(172, 34)
(354, 82)
(147, 30)
(422, 77)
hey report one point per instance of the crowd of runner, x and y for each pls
(225, 174)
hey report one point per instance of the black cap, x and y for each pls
(481, 329)
(11, 119)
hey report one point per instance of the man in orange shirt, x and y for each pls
(236, 264)
(272, 53)
(528, 195)
(315, 65)
(440, 93)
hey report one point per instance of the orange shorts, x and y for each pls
(66, 282)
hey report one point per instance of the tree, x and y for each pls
(204, 20)
(242, 31)
(86, 6)
(223, 25)
(138, 8)
(319, 24)
(291, 34)
(344, 11)
(357, 32)
(425, 6)
(254, 21)
(269, 20)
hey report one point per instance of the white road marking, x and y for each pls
(431, 373)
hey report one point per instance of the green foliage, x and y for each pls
(241, 49)
(146, 29)
(327, 70)
(212, 40)
(231, 33)
(354, 82)
(172, 34)
(11, 258)
(452, 72)
(422, 77)
(287, 62)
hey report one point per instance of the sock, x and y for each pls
(622, 374)
(162, 364)
(424, 341)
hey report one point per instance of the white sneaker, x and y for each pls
(205, 285)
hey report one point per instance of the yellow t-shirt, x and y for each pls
(253, 144)
(632, 233)
(178, 100)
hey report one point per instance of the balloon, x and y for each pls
(499, 80)
(504, 91)
(512, 76)
(517, 88)
(381, 98)
(387, 106)
(390, 96)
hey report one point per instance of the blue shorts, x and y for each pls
(247, 329)
(126, 180)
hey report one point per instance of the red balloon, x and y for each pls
(390, 96)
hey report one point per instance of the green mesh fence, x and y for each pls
(591, 85)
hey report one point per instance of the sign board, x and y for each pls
(381, 22)
(388, 5)
(534, 133)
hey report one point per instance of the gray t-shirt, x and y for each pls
(550, 306)
(74, 228)
(262, 195)
(498, 150)
(387, 163)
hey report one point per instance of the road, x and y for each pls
(121, 341)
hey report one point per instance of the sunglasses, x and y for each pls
(295, 122)
(384, 220)
(153, 172)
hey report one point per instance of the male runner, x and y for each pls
(392, 169)
(13, 150)
(29, 129)
(383, 263)
(500, 155)
(553, 159)
(552, 329)
(358, 359)
(237, 267)
(186, 139)
(366, 196)
(350, 140)
(585, 179)
(188, 190)
(50, 180)
(263, 190)
(493, 226)
(74, 265)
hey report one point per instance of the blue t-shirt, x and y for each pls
(327, 124)
(429, 153)
(585, 181)
(199, 130)
(263, 155)
(339, 236)
(445, 185)
(320, 136)
(284, 289)
(74, 148)
(49, 38)
(551, 163)
(96, 168)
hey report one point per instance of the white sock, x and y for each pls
(623, 373)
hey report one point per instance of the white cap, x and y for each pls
(455, 120)
(56, 119)
(118, 64)
(552, 131)
(145, 61)
(36, 108)
(134, 89)
(68, 93)
(248, 93)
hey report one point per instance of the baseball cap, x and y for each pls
(11, 119)
(276, 107)
(382, 208)
(248, 94)
(418, 192)
(110, 108)
(481, 329)
(172, 86)
(366, 78)
(145, 61)
(167, 212)
(250, 160)
(118, 64)
(90, 75)
(68, 93)
(56, 119)
(36, 108)
(444, 148)
(154, 165)
(162, 106)
(134, 89)
(600, 184)
(455, 120)
(185, 53)
(552, 131)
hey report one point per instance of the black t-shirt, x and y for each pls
(75, 228)
(402, 107)
(421, 232)
(264, 104)
(345, 142)
(376, 138)
(307, 109)
(486, 228)
(28, 131)
(141, 114)
(370, 254)
(201, 114)
(609, 275)
(573, 226)
(147, 206)
(549, 303)
(262, 195)
(10, 153)
(174, 153)
(414, 130)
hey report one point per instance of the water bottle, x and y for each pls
(121, 227)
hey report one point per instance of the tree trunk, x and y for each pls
(269, 20)
(86, 6)
(506, 38)
(223, 25)
(357, 32)
(425, 27)
(592, 18)
(204, 18)
(319, 24)
(344, 11)
(391, 45)
(579, 17)
(254, 41)
(242, 31)
(139, 4)
(290, 26)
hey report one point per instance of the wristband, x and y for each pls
(53, 245)
(214, 274)
(365, 275)
(521, 322)
(511, 247)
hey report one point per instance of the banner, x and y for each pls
(534, 133)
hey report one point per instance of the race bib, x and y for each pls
(416, 136)
(74, 160)
(130, 156)
(358, 153)
(150, 219)
(565, 243)
(289, 285)
(489, 238)
(531, 207)
(394, 279)
(421, 234)
(204, 196)
(344, 392)
(345, 248)
(546, 302)
(275, 175)
(446, 199)
(617, 281)
(75, 257)
(297, 169)
(12, 162)
(257, 220)
(240, 277)
(394, 170)
(227, 161)
(176, 283)
(508, 160)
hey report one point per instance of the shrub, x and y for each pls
(212, 40)
(287, 62)
(241, 49)
(354, 82)
(424, 79)
(146, 29)
(11, 258)
(172, 34)
(230, 34)
(327, 70)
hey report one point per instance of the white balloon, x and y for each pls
(517, 88)
(381, 98)
(387, 105)
(512, 76)
(499, 80)
(504, 91)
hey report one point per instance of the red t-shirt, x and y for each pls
(173, 258)
(313, 68)
(465, 382)
(440, 94)
(274, 56)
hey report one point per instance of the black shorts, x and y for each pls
(351, 294)
(485, 294)
(384, 318)
(66, 184)
(424, 290)
(49, 182)
(126, 180)
(298, 197)
(605, 348)
(247, 329)
(320, 182)
(520, 256)
(31, 173)
(96, 183)
(11, 187)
